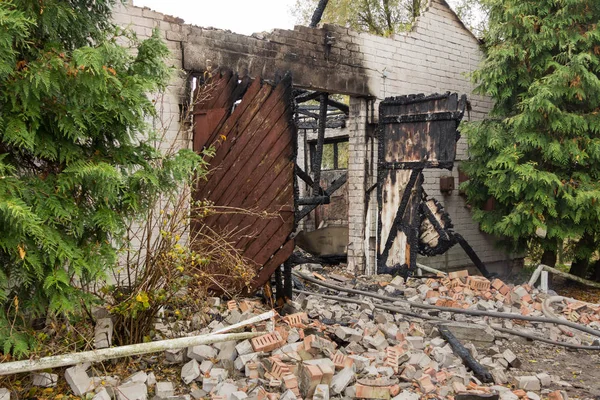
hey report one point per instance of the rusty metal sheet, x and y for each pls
(252, 168)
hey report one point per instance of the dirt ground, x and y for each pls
(578, 368)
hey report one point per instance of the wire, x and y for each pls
(430, 318)
(493, 314)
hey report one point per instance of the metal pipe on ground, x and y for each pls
(480, 313)
(430, 318)
(536, 274)
(64, 360)
(100, 355)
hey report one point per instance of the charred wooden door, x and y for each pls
(415, 132)
(252, 168)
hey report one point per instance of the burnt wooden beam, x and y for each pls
(316, 167)
(316, 200)
(438, 116)
(307, 96)
(306, 178)
(335, 185)
(331, 124)
(308, 113)
(318, 14)
(472, 255)
(457, 347)
(416, 164)
(339, 105)
(303, 175)
(301, 258)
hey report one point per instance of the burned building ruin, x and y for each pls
(271, 93)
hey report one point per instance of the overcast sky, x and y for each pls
(241, 16)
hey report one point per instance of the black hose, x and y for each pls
(430, 318)
(478, 313)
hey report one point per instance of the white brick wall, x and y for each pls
(436, 56)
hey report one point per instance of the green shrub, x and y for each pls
(78, 161)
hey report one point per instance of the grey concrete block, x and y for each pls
(78, 380)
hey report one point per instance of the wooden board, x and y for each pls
(252, 167)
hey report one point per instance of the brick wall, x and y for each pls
(435, 56)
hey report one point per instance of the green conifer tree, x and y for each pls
(77, 157)
(538, 153)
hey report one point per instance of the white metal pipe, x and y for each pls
(536, 275)
(250, 321)
(64, 360)
(431, 270)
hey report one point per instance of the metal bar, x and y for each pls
(413, 99)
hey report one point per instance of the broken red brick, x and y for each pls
(556, 395)
(458, 274)
(290, 381)
(268, 342)
(425, 383)
(478, 283)
(298, 320)
(392, 358)
(245, 305)
(279, 368)
(430, 371)
(340, 361)
(310, 377)
(416, 330)
(283, 332)
(527, 298)
(497, 284)
(232, 305)
(441, 376)
(372, 392)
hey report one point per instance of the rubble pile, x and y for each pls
(329, 348)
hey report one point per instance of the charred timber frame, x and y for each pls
(415, 132)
